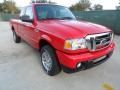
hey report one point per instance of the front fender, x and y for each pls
(55, 42)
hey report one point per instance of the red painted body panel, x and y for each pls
(71, 60)
(56, 32)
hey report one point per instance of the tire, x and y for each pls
(48, 53)
(16, 38)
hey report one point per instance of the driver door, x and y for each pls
(31, 35)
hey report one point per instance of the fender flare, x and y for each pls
(47, 39)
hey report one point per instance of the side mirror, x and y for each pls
(26, 18)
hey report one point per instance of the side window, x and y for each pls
(29, 12)
(22, 13)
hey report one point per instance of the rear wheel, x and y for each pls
(16, 38)
(49, 60)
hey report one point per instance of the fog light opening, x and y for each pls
(79, 65)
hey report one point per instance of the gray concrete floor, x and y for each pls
(20, 69)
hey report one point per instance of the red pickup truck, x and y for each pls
(64, 42)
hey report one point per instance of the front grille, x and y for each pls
(98, 41)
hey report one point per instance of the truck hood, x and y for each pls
(71, 28)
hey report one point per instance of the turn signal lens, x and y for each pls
(68, 44)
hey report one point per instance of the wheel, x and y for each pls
(49, 60)
(16, 38)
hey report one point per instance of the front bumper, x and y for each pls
(69, 62)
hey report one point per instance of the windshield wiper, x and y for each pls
(64, 18)
(49, 18)
(55, 18)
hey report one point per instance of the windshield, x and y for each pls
(46, 12)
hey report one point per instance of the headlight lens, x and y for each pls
(75, 44)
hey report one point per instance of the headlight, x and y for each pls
(75, 44)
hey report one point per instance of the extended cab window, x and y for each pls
(29, 12)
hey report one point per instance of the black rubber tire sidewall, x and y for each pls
(55, 64)
(16, 39)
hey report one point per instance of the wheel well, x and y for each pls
(44, 42)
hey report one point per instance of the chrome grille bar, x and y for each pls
(96, 40)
